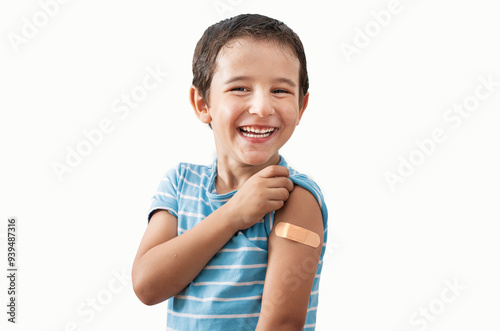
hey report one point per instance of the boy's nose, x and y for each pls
(261, 105)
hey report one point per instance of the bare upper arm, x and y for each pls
(291, 265)
(161, 228)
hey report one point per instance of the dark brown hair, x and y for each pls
(245, 25)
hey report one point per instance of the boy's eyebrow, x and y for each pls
(286, 81)
(278, 80)
(235, 79)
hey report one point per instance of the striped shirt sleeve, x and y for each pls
(165, 197)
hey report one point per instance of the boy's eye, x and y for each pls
(239, 89)
(280, 91)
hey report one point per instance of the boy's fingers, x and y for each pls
(275, 171)
(281, 182)
(280, 194)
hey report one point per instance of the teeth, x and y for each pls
(257, 135)
(256, 130)
(253, 132)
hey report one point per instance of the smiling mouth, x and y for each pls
(254, 132)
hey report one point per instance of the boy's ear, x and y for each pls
(199, 104)
(305, 101)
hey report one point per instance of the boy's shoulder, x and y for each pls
(300, 179)
(190, 172)
(195, 169)
(309, 184)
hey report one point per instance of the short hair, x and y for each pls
(245, 25)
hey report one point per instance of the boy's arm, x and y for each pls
(291, 266)
(166, 263)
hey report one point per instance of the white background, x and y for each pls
(391, 252)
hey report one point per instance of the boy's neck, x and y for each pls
(231, 175)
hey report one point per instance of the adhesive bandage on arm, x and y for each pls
(297, 233)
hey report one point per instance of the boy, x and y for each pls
(216, 243)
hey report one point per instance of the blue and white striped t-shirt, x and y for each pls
(227, 293)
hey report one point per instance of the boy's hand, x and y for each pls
(262, 193)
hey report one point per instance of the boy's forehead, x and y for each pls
(244, 55)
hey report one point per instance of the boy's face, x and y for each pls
(254, 101)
